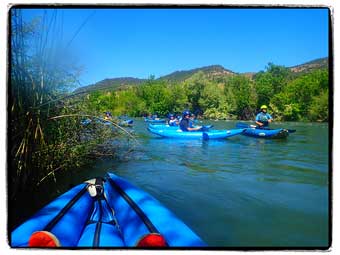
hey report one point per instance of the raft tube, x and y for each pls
(73, 208)
(109, 212)
(139, 214)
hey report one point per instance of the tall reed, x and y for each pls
(41, 142)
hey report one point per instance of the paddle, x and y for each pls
(205, 128)
(208, 126)
(243, 125)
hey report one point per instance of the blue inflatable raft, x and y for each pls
(205, 135)
(107, 212)
(264, 132)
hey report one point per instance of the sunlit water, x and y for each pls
(241, 191)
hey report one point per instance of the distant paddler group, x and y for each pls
(108, 119)
(185, 128)
(180, 126)
(154, 119)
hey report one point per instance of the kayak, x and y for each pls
(125, 123)
(264, 132)
(205, 135)
(85, 122)
(122, 123)
(155, 120)
(166, 126)
(162, 126)
(105, 212)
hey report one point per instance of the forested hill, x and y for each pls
(179, 76)
(320, 63)
(214, 70)
(111, 84)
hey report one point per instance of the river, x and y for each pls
(238, 192)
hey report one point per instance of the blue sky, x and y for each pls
(110, 43)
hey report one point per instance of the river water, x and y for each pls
(238, 192)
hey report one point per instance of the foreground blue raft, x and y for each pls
(264, 133)
(205, 135)
(108, 212)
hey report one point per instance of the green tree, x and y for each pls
(156, 96)
(318, 110)
(127, 102)
(302, 96)
(178, 98)
(244, 96)
(271, 82)
(194, 87)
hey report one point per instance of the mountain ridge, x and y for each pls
(181, 75)
(184, 74)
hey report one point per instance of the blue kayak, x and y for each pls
(154, 120)
(264, 132)
(162, 126)
(167, 126)
(125, 123)
(86, 122)
(106, 212)
(122, 123)
(205, 135)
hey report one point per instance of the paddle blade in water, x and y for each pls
(205, 136)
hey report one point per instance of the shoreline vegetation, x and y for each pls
(45, 136)
(290, 96)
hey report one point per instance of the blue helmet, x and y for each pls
(171, 115)
(186, 112)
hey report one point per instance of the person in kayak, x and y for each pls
(108, 116)
(155, 116)
(172, 120)
(148, 117)
(263, 118)
(185, 123)
(192, 121)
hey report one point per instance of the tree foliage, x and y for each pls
(289, 96)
